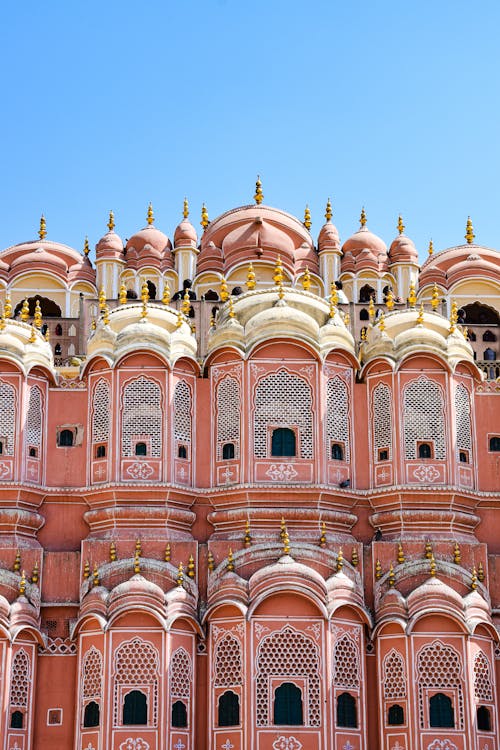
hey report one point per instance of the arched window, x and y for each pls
(135, 708)
(100, 451)
(227, 451)
(483, 719)
(211, 295)
(66, 438)
(462, 457)
(346, 711)
(424, 418)
(32, 453)
(179, 715)
(182, 452)
(16, 720)
(424, 450)
(337, 452)
(364, 314)
(228, 416)
(228, 711)
(91, 715)
(441, 711)
(1, 447)
(489, 336)
(141, 449)
(58, 330)
(151, 290)
(366, 293)
(288, 705)
(395, 716)
(57, 350)
(283, 442)
(489, 355)
(495, 443)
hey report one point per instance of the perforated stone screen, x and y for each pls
(423, 417)
(180, 674)
(141, 415)
(136, 664)
(338, 415)
(228, 415)
(182, 412)
(92, 674)
(101, 412)
(346, 667)
(394, 676)
(439, 666)
(228, 669)
(34, 417)
(382, 418)
(7, 416)
(483, 687)
(463, 418)
(20, 679)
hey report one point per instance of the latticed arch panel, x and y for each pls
(463, 419)
(20, 680)
(228, 662)
(136, 665)
(182, 412)
(346, 667)
(101, 410)
(92, 674)
(141, 415)
(439, 666)
(394, 676)
(7, 417)
(282, 399)
(483, 685)
(337, 415)
(287, 653)
(34, 418)
(382, 419)
(228, 401)
(423, 417)
(181, 674)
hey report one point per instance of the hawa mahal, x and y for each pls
(249, 490)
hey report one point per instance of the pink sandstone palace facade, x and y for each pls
(259, 514)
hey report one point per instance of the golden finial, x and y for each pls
(186, 303)
(306, 280)
(180, 575)
(7, 308)
(278, 271)
(122, 294)
(363, 334)
(282, 528)
(144, 291)
(224, 294)
(389, 300)
(105, 315)
(167, 552)
(230, 561)
(381, 323)
(281, 291)
(322, 538)
(185, 210)
(37, 318)
(166, 295)
(347, 319)
(334, 298)
(32, 337)
(144, 311)
(2, 323)
(204, 217)
(453, 317)
(212, 321)
(42, 232)
(47, 333)
(412, 296)
(371, 310)
(378, 570)
(34, 573)
(17, 561)
(180, 319)
(112, 552)
(473, 579)
(250, 277)
(328, 212)
(435, 297)
(432, 568)
(247, 539)
(340, 560)
(392, 578)
(286, 542)
(457, 557)
(307, 218)
(25, 310)
(401, 554)
(95, 576)
(137, 563)
(259, 195)
(420, 316)
(22, 583)
(111, 221)
(362, 218)
(480, 572)
(210, 561)
(93, 326)
(86, 570)
(86, 248)
(431, 247)
(469, 232)
(190, 567)
(150, 216)
(428, 549)
(102, 298)
(354, 558)
(401, 226)
(138, 547)
(465, 332)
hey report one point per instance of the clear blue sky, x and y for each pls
(390, 105)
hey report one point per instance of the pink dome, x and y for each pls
(403, 250)
(185, 234)
(40, 257)
(328, 237)
(151, 240)
(456, 263)
(364, 250)
(82, 270)
(109, 246)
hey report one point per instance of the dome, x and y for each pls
(185, 234)
(364, 250)
(455, 264)
(403, 250)
(38, 258)
(109, 246)
(328, 237)
(150, 239)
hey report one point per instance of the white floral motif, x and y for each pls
(89, 747)
(15, 746)
(260, 630)
(348, 746)
(315, 630)
(4, 471)
(287, 743)
(281, 471)
(397, 746)
(227, 745)
(140, 470)
(136, 743)
(442, 745)
(426, 473)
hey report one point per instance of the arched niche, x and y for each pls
(50, 309)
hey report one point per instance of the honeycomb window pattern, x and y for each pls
(483, 687)
(7, 416)
(142, 416)
(34, 418)
(463, 418)
(228, 415)
(423, 417)
(394, 676)
(346, 667)
(92, 674)
(136, 665)
(439, 666)
(181, 674)
(382, 419)
(101, 406)
(20, 680)
(228, 669)
(182, 412)
(286, 654)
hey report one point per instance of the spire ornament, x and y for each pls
(401, 554)
(334, 299)
(7, 308)
(453, 317)
(420, 316)
(378, 570)
(86, 570)
(86, 248)
(354, 558)
(469, 232)
(123, 294)
(392, 577)
(204, 217)
(278, 272)
(322, 538)
(102, 298)
(150, 216)
(371, 310)
(17, 562)
(428, 549)
(286, 542)
(435, 298)
(32, 337)
(185, 210)
(224, 293)
(431, 247)
(22, 584)
(259, 195)
(401, 226)
(186, 303)
(473, 579)
(167, 552)
(328, 212)
(362, 218)
(111, 221)
(480, 572)
(191, 571)
(2, 323)
(210, 561)
(42, 232)
(180, 575)
(306, 280)
(389, 300)
(112, 552)
(250, 277)
(37, 317)
(247, 539)
(307, 218)
(381, 323)
(457, 557)
(35, 573)
(340, 560)
(432, 568)
(95, 576)
(137, 564)
(25, 310)
(166, 295)
(230, 561)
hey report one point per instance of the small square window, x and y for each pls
(383, 454)
(54, 716)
